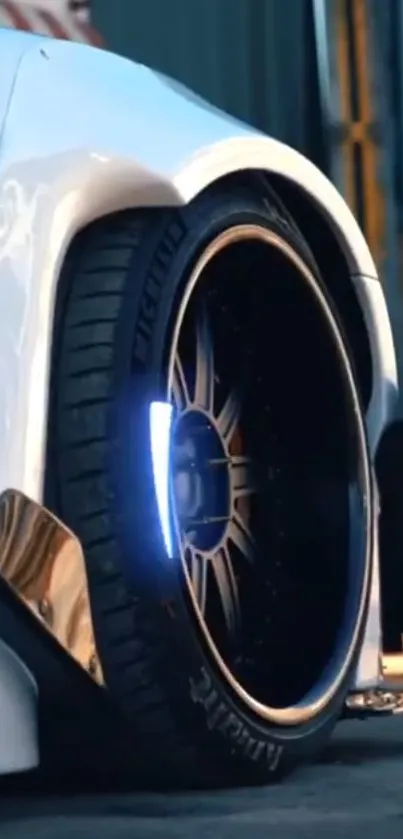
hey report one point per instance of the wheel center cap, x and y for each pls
(201, 481)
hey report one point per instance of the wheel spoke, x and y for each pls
(204, 382)
(198, 569)
(238, 533)
(205, 438)
(179, 386)
(227, 588)
(242, 481)
(229, 416)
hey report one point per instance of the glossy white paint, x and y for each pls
(18, 715)
(87, 133)
(385, 377)
(383, 401)
(12, 50)
(368, 673)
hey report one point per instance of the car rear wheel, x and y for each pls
(228, 630)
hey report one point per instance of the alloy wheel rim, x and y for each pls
(196, 403)
(210, 481)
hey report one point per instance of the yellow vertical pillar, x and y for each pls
(359, 147)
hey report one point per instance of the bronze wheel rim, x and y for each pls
(214, 482)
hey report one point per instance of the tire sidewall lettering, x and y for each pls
(223, 719)
(143, 336)
(148, 320)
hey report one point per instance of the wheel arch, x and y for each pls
(337, 245)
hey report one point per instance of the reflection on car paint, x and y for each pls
(43, 562)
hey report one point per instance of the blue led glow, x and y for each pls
(160, 433)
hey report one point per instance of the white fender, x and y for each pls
(87, 133)
(12, 50)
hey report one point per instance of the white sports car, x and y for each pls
(197, 369)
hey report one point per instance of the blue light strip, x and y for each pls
(160, 433)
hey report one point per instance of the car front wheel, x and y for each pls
(231, 649)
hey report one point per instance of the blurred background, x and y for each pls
(325, 76)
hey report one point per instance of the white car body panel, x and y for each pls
(12, 51)
(85, 133)
(368, 671)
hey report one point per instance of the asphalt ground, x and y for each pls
(354, 791)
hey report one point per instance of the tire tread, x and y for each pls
(119, 615)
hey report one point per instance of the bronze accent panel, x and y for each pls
(43, 561)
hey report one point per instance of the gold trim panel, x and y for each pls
(44, 564)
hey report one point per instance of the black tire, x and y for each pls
(389, 471)
(119, 291)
